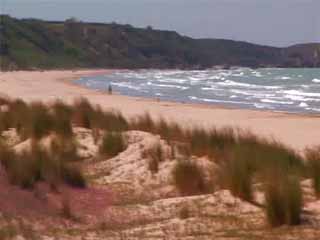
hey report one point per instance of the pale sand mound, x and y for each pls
(131, 167)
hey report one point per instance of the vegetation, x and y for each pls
(283, 199)
(31, 43)
(155, 155)
(112, 144)
(38, 164)
(313, 161)
(242, 158)
(189, 178)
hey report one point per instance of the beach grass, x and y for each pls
(242, 157)
(112, 144)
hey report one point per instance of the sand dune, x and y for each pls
(298, 131)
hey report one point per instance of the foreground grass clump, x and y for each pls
(189, 178)
(38, 164)
(238, 172)
(84, 113)
(41, 122)
(112, 144)
(283, 196)
(155, 155)
(62, 116)
(313, 162)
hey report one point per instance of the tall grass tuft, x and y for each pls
(313, 163)
(62, 116)
(38, 164)
(83, 113)
(238, 172)
(189, 178)
(112, 144)
(283, 197)
(41, 122)
(155, 155)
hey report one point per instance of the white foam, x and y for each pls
(167, 86)
(216, 100)
(316, 80)
(276, 102)
(303, 104)
(300, 93)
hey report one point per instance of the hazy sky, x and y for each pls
(271, 22)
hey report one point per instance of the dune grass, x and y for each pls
(62, 116)
(243, 158)
(283, 197)
(112, 144)
(189, 178)
(155, 156)
(313, 165)
(39, 164)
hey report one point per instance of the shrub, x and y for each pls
(109, 121)
(143, 123)
(313, 162)
(112, 144)
(72, 175)
(283, 197)
(37, 164)
(62, 115)
(7, 156)
(19, 117)
(238, 173)
(83, 113)
(41, 122)
(189, 178)
(155, 155)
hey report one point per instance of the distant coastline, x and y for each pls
(33, 44)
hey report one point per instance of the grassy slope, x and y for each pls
(39, 44)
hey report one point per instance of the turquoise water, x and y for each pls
(288, 90)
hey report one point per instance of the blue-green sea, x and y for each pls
(287, 90)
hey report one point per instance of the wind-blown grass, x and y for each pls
(243, 158)
(283, 197)
(112, 144)
(313, 163)
(189, 178)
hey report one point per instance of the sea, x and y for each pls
(274, 89)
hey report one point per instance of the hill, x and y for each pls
(37, 44)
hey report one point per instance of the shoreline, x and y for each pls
(72, 82)
(295, 130)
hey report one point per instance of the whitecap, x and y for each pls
(276, 102)
(316, 80)
(303, 104)
(167, 86)
(216, 100)
(300, 93)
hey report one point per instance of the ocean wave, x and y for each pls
(300, 93)
(247, 85)
(216, 100)
(266, 100)
(262, 88)
(125, 85)
(167, 86)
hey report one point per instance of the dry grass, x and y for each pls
(38, 164)
(283, 196)
(189, 178)
(155, 155)
(242, 157)
(112, 144)
(313, 162)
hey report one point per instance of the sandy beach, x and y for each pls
(297, 131)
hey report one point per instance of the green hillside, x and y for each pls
(36, 44)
